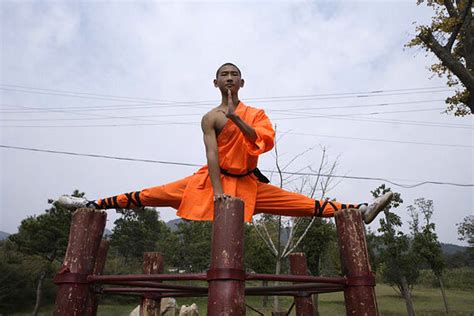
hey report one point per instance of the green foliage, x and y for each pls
(397, 257)
(15, 285)
(45, 235)
(194, 248)
(425, 240)
(317, 243)
(256, 255)
(41, 240)
(139, 231)
(449, 37)
(374, 243)
(460, 278)
(18, 277)
(466, 233)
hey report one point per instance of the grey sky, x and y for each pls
(170, 51)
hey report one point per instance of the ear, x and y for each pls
(242, 82)
(215, 83)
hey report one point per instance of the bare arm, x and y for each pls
(210, 141)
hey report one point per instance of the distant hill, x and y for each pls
(173, 224)
(450, 249)
(4, 235)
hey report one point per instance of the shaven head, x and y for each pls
(227, 64)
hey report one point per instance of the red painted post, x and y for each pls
(226, 275)
(298, 266)
(85, 235)
(93, 302)
(152, 264)
(359, 295)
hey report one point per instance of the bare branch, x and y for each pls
(295, 173)
(461, 23)
(318, 177)
(447, 59)
(273, 248)
(290, 235)
(297, 156)
(450, 7)
(267, 243)
(277, 163)
(299, 239)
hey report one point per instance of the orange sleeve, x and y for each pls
(265, 135)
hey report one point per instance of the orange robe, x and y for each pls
(193, 196)
(237, 155)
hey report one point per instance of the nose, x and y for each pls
(229, 78)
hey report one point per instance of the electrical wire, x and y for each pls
(366, 94)
(377, 140)
(197, 165)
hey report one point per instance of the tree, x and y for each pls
(256, 255)
(317, 242)
(138, 231)
(466, 233)
(399, 261)
(278, 232)
(425, 240)
(194, 248)
(45, 236)
(450, 36)
(16, 284)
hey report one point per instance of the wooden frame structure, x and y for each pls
(80, 280)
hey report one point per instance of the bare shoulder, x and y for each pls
(209, 119)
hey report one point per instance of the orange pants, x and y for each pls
(270, 200)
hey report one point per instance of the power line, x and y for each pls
(300, 114)
(383, 121)
(197, 165)
(326, 96)
(287, 132)
(378, 140)
(139, 107)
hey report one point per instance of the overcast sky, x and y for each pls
(132, 79)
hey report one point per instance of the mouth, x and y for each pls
(229, 85)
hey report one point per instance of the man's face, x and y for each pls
(228, 77)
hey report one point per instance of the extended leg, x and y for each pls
(273, 200)
(164, 195)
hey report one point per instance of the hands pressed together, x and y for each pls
(230, 105)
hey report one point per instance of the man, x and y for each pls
(234, 136)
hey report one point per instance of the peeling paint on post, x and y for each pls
(93, 300)
(304, 303)
(85, 235)
(360, 295)
(152, 264)
(226, 275)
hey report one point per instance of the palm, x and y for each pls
(230, 104)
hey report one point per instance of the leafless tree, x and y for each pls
(307, 180)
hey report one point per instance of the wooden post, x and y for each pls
(152, 264)
(93, 302)
(226, 275)
(85, 235)
(298, 265)
(359, 295)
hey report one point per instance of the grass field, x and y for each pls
(427, 301)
